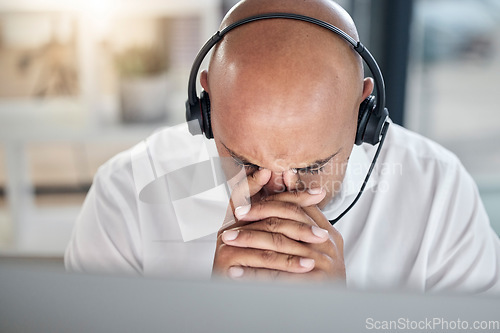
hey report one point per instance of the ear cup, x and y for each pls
(205, 115)
(193, 117)
(365, 111)
(198, 116)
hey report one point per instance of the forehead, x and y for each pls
(269, 124)
(286, 115)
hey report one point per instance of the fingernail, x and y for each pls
(307, 262)
(321, 233)
(230, 235)
(235, 272)
(294, 170)
(241, 211)
(315, 191)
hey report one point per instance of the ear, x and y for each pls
(367, 88)
(204, 80)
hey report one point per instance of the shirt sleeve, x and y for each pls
(106, 236)
(465, 251)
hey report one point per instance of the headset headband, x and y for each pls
(357, 46)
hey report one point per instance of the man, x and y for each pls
(285, 97)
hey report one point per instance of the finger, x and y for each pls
(317, 215)
(265, 209)
(264, 274)
(263, 240)
(303, 198)
(257, 258)
(278, 243)
(248, 187)
(322, 221)
(298, 231)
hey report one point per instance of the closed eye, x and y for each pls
(247, 166)
(310, 170)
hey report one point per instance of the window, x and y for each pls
(452, 94)
(76, 92)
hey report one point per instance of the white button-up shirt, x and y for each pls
(419, 225)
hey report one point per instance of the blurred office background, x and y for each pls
(83, 80)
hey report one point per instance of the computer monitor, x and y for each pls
(43, 300)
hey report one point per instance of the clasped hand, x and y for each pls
(281, 236)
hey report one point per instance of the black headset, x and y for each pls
(372, 118)
(372, 112)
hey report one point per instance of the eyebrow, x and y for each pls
(244, 161)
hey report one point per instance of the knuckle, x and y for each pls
(290, 260)
(272, 224)
(293, 208)
(277, 240)
(303, 228)
(268, 255)
(258, 207)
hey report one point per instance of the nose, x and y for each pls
(276, 184)
(281, 182)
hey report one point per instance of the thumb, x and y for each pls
(241, 195)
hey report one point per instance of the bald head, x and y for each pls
(286, 59)
(325, 10)
(283, 43)
(285, 90)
